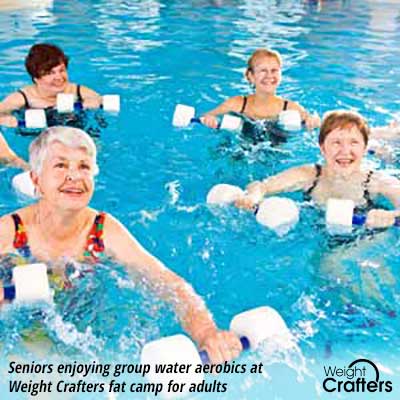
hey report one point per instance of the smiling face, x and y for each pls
(54, 81)
(344, 149)
(66, 177)
(265, 74)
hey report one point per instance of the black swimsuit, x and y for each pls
(76, 119)
(28, 106)
(258, 132)
(366, 195)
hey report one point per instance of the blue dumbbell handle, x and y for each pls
(206, 360)
(9, 293)
(360, 219)
(197, 120)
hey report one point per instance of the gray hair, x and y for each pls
(68, 136)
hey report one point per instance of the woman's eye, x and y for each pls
(85, 166)
(60, 165)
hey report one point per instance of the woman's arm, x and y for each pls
(233, 104)
(312, 121)
(389, 187)
(9, 157)
(190, 308)
(291, 180)
(91, 99)
(13, 102)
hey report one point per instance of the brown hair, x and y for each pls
(261, 53)
(42, 58)
(343, 119)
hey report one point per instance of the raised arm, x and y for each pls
(7, 156)
(291, 180)
(190, 308)
(12, 102)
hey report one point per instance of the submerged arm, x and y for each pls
(190, 308)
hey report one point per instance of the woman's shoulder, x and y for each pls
(7, 232)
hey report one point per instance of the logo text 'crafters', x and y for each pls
(354, 378)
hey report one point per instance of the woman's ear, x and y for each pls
(35, 180)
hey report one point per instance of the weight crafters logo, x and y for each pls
(360, 376)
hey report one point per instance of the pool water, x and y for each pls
(340, 300)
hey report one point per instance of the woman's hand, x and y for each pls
(312, 121)
(209, 120)
(92, 102)
(8, 120)
(221, 346)
(254, 195)
(377, 218)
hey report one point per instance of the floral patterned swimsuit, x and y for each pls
(93, 253)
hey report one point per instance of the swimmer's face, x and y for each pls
(344, 149)
(55, 81)
(265, 74)
(66, 178)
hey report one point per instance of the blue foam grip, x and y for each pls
(197, 120)
(9, 293)
(78, 106)
(360, 219)
(206, 360)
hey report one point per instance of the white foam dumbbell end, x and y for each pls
(35, 118)
(31, 283)
(22, 183)
(171, 350)
(290, 120)
(111, 103)
(260, 325)
(183, 115)
(65, 102)
(231, 123)
(339, 216)
(223, 194)
(278, 213)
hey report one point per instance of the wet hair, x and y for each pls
(343, 119)
(42, 58)
(261, 53)
(71, 137)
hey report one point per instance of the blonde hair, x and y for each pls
(262, 53)
(70, 137)
(343, 119)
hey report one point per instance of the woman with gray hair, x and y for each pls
(60, 226)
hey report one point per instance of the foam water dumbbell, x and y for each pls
(66, 103)
(30, 283)
(259, 326)
(340, 217)
(22, 183)
(185, 115)
(290, 120)
(279, 214)
(34, 119)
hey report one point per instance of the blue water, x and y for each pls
(341, 303)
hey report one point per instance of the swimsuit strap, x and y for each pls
(95, 241)
(20, 237)
(318, 170)
(79, 94)
(26, 105)
(285, 105)
(243, 105)
(367, 195)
